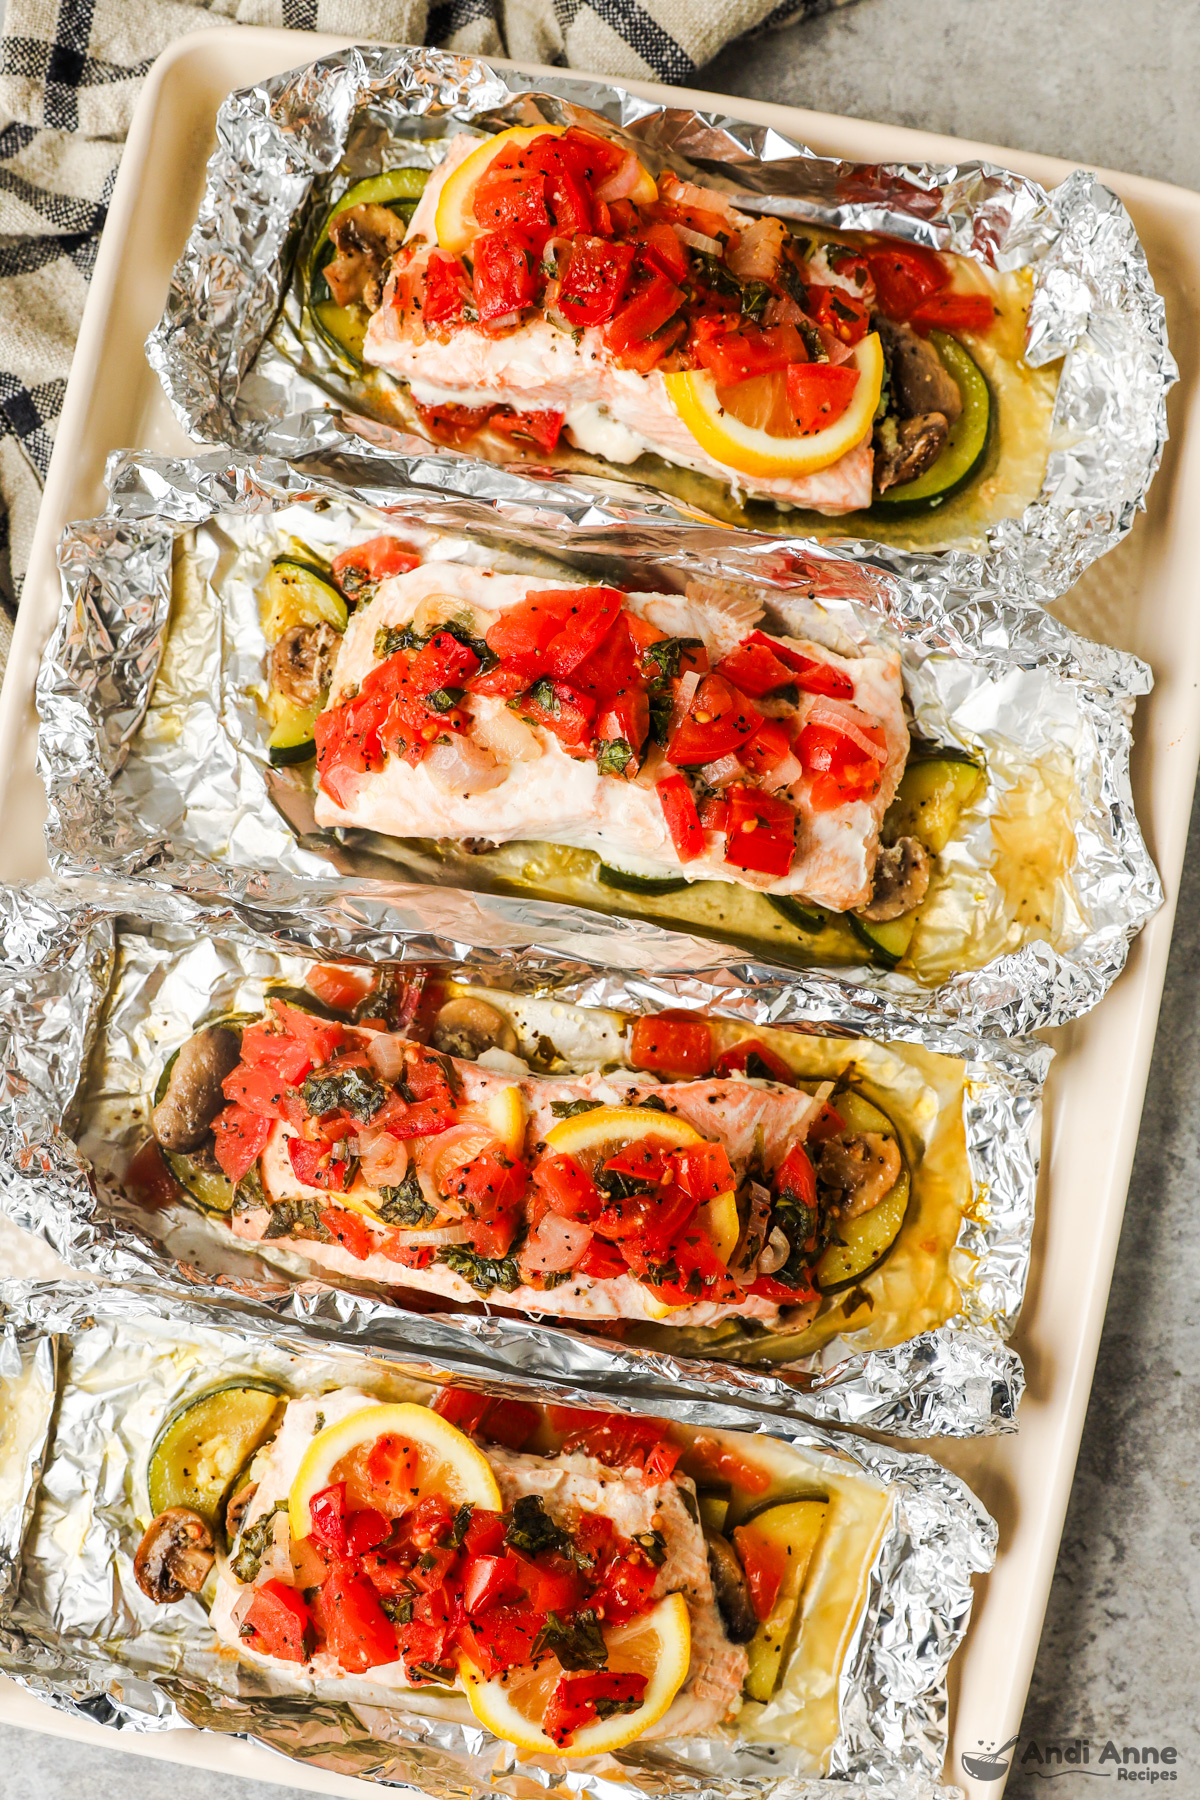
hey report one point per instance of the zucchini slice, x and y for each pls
(783, 1537)
(296, 593)
(798, 912)
(291, 739)
(625, 882)
(345, 327)
(866, 1241)
(964, 449)
(206, 1443)
(888, 940)
(933, 793)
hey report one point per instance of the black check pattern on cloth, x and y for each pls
(70, 72)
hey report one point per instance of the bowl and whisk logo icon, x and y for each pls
(991, 1764)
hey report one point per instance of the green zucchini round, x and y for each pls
(206, 1442)
(964, 450)
(345, 327)
(625, 882)
(797, 912)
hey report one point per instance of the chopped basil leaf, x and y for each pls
(571, 1109)
(578, 1643)
(613, 757)
(483, 1272)
(350, 1091)
(444, 698)
(254, 1543)
(531, 1530)
(406, 1204)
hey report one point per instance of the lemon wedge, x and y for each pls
(753, 450)
(454, 220)
(719, 1218)
(657, 1645)
(441, 1460)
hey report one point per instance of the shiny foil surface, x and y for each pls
(104, 998)
(239, 368)
(87, 1376)
(173, 783)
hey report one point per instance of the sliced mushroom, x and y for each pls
(730, 1588)
(183, 1117)
(905, 448)
(467, 1028)
(302, 662)
(921, 382)
(365, 238)
(777, 1251)
(174, 1557)
(743, 1264)
(854, 1173)
(236, 1509)
(901, 880)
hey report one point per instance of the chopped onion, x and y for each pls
(696, 240)
(757, 253)
(783, 774)
(621, 183)
(849, 719)
(384, 1158)
(776, 1253)
(444, 1234)
(461, 766)
(508, 738)
(683, 699)
(557, 1244)
(722, 772)
(385, 1053)
(709, 200)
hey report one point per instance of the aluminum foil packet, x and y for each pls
(87, 1378)
(153, 739)
(105, 998)
(239, 366)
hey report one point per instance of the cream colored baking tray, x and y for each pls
(1145, 597)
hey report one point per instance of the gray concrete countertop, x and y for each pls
(1099, 82)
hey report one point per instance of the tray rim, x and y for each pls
(1137, 995)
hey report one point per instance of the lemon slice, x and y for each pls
(719, 1218)
(658, 1645)
(505, 1113)
(754, 451)
(454, 220)
(445, 1462)
(592, 1137)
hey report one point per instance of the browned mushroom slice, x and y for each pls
(921, 383)
(905, 448)
(236, 1509)
(730, 1589)
(302, 662)
(366, 238)
(901, 880)
(466, 1027)
(174, 1557)
(854, 1173)
(183, 1117)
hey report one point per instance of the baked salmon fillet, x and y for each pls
(665, 732)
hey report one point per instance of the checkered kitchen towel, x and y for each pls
(70, 71)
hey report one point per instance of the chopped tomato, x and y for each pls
(569, 1190)
(522, 634)
(486, 1530)
(673, 1043)
(501, 1637)
(645, 1160)
(348, 742)
(710, 1456)
(590, 614)
(796, 1179)
(442, 662)
(327, 1516)
(650, 306)
(767, 748)
(662, 250)
(764, 1565)
(718, 722)
(842, 770)
(504, 279)
(431, 1109)
(594, 280)
(314, 1165)
(753, 667)
(752, 1057)
(827, 1124)
(760, 833)
(714, 812)
(278, 1623)
(682, 1269)
(491, 1183)
(579, 1696)
(340, 988)
(489, 1579)
(953, 312)
(433, 1566)
(683, 821)
(259, 1088)
(839, 313)
(905, 276)
(366, 1529)
(552, 1584)
(626, 720)
(445, 279)
(812, 676)
(557, 708)
(494, 1237)
(819, 393)
(767, 1287)
(542, 428)
(619, 1440)
(360, 1633)
(626, 1590)
(704, 1170)
(292, 1041)
(240, 1139)
(647, 1226)
(601, 1262)
(510, 196)
(348, 1229)
(365, 565)
(409, 1256)
(747, 351)
(451, 423)
(563, 163)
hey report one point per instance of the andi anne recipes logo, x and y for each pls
(1048, 1758)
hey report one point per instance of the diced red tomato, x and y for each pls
(619, 1440)
(626, 720)
(486, 1530)
(489, 1579)
(905, 276)
(494, 1237)
(718, 722)
(450, 423)
(461, 1407)
(588, 615)
(601, 1262)
(651, 304)
(710, 1456)
(338, 987)
(683, 821)
(953, 312)
(839, 313)
(522, 634)
(662, 250)
(747, 351)
(490, 1184)
(442, 662)
(767, 1287)
(738, 1058)
(626, 1590)
(504, 279)
(594, 280)
(795, 1177)
(557, 708)
(552, 1584)
(313, 1164)
(767, 748)
(507, 1422)
(432, 1109)
(646, 1226)
(812, 676)
(348, 1229)
(364, 565)
(360, 1633)
(366, 1529)
(408, 1256)
(510, 195)
(278, 1623)
(645, 1160)
(842, 772)
(445, 281)
(714, 812)
(577, 1697)
(240, 1139)
(704, 1170)
(422, 1646)
(292, 1041)
(542, 428)
(569, 1190)
(761, 831)
(764, 1566)
(258, 1088)
(673, 1043)
(595, 1535)
(348, 743)
(327, 1513)
(564, 161)
(753, 667)
(433, 1567)
(827, 1124)
(819, 393)
(501, 1637)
